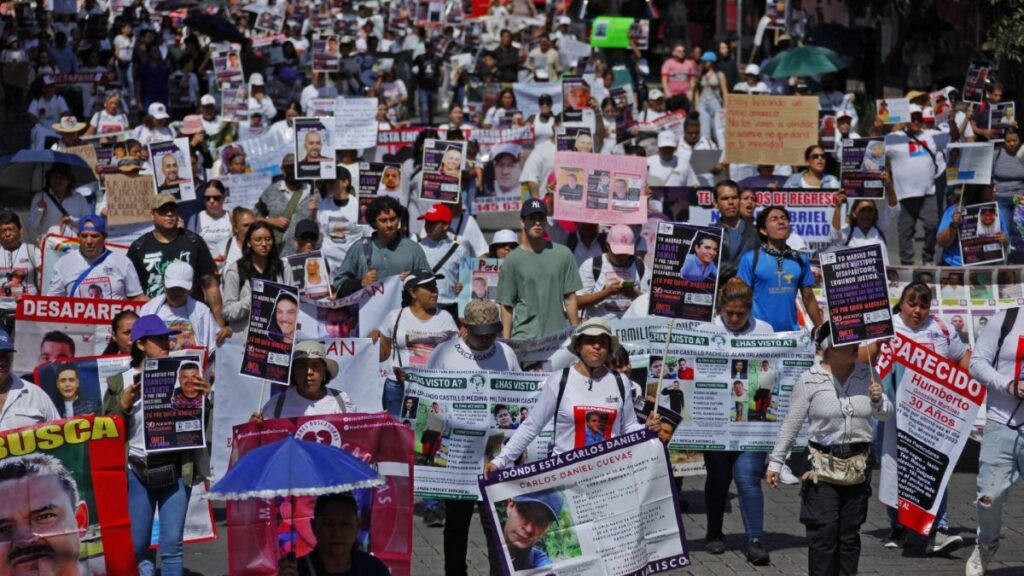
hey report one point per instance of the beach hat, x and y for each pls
(594, 327)
(314, 350)
(504, 236)
(192, 124)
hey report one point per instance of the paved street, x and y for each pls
(784, 536)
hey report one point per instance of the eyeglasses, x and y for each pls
(214, 198)
(817, 156)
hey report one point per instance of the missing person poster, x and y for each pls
(574, 139)
(969, 163)
(893, 110)
(974, 83)
(575, 98)
(314, 151)
(502, 191)
(479, 279)
(827, 130)
(684, 280)
(978, 235)
(227, 65)
(172, 168)
(610, 508)
(273, 323)
(326, 54)
(443, 162)
(856, 294)
(64, 488)
(77, 385)
(600, 188)
(936, 406)
(777, 12)
(309, 273)
(863, 167)
(173, 407)
(380, 179)
(1002, 115)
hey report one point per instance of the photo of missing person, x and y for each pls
(980, 282)
(570, 184)
(168, 175)
(599, 189)
(1010, 285)
(340, 322)
(284, 320)
(739, 369)
(313, 150)
(481, 291)
(73, 387)
(451, 162)
(988, 222)
(701, 264)
(410, 407)
(763, 384)
(431, 426)
(390, 181)
(738, 393)
(874, 157)
(502, 171)
(187, 397)
(537, 530)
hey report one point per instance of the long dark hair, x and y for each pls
(112, 348)
(246, 271)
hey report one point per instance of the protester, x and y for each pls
(864, 225)
(913, 168)
(709, 94)
(260, 260)
(336, 526)
(677, 75)
(284, 203)
(814, 176)
(338, 217)
(408, 335)
(179, 310)
(310, 393)
(213, 223)
(25, 404)
(121, 333)
(1008, 179)
(93, 268)
(612, 281)
(20, 263)
(443, 254)
(502, 244)
(948, 237)
(58, 205)
(739, 235)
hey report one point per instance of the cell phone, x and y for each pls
(628, 283)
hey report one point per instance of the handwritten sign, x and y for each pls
(355, 123)
(86, 152)
(128, 199)
(764, 129)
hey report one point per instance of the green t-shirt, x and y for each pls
(534, 284)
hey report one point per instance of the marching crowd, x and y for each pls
(138, 75)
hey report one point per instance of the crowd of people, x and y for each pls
(137, 75)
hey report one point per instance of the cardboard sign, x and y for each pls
(129, 199)
(763, 129)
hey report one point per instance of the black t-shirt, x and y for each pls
(363, 564)
(428, 75)
(151, 257)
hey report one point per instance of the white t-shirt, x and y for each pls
(123, 47)
(339, 228)
(216, 232)
(935, 335)
(913, 170)
(416, 339)
(614, 306)
(105, 123)
(115, 277)
(39, 221)
(540, 163)
(455, 354)
(676, 172)
(194, 320)
(295, 405)
(19, 269)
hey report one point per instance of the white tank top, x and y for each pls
(543, 131)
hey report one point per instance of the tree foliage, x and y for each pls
(1005, 39)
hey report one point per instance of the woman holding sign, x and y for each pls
(839, 396)
(573, 395)
(260, 259)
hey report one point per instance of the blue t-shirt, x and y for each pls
(951, 254)
(775, 293)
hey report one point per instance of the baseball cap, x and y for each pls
(551, 499)
(158, 111)
(915, 109)
(531, 207)
(150, 325)
(306, 227)
(256, 79)
(845, 113)
(178, 275)
(437, 213)
(481, 318)
(621, 240)
(709, 57)
(6, 345)
(752, 69)
(667, 139)
(655, 94)
(564, 20)
(92, 223)
(420, 278)
(511, 149)
(162, 200)
(207, 100)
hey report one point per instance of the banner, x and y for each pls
(314, 151)
(355, 123)
(863, 167)
(76, 386)
(936, 405)
(128, 199)
(461, 421)
(443, 163)
(600, 188)
(259, 531)
(974, 83)
(273, 322)
(263, 153)
(763, 129)
(359, 313)
(171, 164)
(479, 279)
(810, 210)
(610, 508)
(684, 279)
(74, 469)
(856, 294)
(51, 327)
(731, 391)
(309, 273)
(979, 225)
(528, 93)
(893, 110)
(173, 410)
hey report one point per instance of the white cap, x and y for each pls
(655, 94)
(256, 79)
(916, 109)
(505, 236)
(844, 113)
(564, 21)
(207, 100)
(667, 139)
(158, 111)
(752, 69)
(178, 275)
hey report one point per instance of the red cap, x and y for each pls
(438, 213)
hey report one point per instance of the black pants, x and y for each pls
(833, 516)
(458, 515)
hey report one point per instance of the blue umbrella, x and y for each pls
(293, 467)
(26, 169)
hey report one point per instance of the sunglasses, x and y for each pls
(817, 156)
(214, 198)
(167, 210)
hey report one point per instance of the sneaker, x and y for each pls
(434, 518)
(943, 543)
(895, 538)
(715, 546)
(977, 564)
(786, 476)
(757, 554)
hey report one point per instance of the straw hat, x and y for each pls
(69, 124)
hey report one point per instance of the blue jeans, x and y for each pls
(426, 101)
(1000, 464)
(747, 470)
(172, 503)
(708, 108)
(1006, 209)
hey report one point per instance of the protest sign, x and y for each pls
(974, 83)
(461, 420)
(762, 129)
(272, 329)
(227, 65)
(359, 313)
(270, 20)
(502, 191)
(128, 198)
(309, 273)
(611, 32)
(1001, 116)
(571, 51)
(326, 55)
(173, 409)
(574, 139)
(600, 188)
(528, 93)
(171, 164)
(777, 13)
(732, 392)
(544, 353)
(234, 101)
(936, 405)
(74, 469)
(86, 152)
(48, 327)
(380, 179)
(640, 33)
(255, 527)
(856, 293)
(610, 508)
(575, 98)
(77, 385)
(893, 110)
(244, 189)
(969, 163)
(827, 130)
(479, 279)
(863, 167)
(684, 278)
(355, 123)
(314, 151)
(443, 162)
(263, 153)
(703, 161)
(979, 225)
(810, 211)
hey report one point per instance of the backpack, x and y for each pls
(597, 263)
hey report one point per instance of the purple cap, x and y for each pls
(150, 325)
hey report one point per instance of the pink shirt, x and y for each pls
(679, 75)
